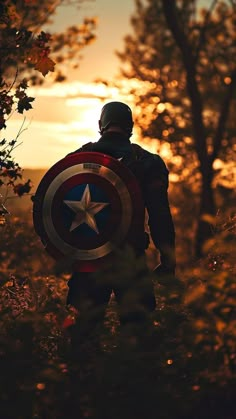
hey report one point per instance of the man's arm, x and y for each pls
(160, 218)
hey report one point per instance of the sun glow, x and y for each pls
(88, 116)
(65, 117)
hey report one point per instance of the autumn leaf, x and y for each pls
(13, 14)
(2, 122)
(44, 65)
(24, 104)
(68, 321)
(22, 188)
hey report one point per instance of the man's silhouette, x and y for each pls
(87, 293)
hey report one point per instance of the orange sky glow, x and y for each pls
(65, 116)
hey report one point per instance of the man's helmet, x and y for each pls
(116, 113)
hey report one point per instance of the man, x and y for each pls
(86, 293)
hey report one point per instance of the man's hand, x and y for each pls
(164, 275)
(162, 270)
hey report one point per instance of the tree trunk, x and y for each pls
(207, 206)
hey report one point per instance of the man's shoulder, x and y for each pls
(142, 153)
(86, 147)
(149, 159)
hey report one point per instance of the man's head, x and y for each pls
(116, 115)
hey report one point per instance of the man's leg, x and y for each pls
(90, 298)
(136, 302)
(136, 298)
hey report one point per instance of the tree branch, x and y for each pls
(223, 117)
(203, 30)
(171, 15)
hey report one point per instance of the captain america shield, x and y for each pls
(85, 207)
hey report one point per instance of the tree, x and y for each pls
(22, 20)
(25, 59)
(184, 59)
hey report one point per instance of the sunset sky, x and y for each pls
(64, 116)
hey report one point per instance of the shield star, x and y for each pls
(85, 210)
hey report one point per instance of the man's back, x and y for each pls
(152, 175)
(141, 162)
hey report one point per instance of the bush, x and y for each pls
(182, 367)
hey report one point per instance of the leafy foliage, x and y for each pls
(180, 365)
(10, 171)
(18, 46)
(28, 45)
(182, 60)
(26, 52)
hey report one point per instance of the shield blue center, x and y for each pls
(97, 195)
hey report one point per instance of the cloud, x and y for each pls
(44, 143)
(64, 117)
(73, 89)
